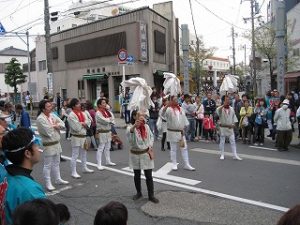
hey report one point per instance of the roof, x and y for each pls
(218, 58)
(111, 17)
(11, 51)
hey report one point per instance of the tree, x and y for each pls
(14, 75)
(265, 44)
(265, 38)
(198, 56)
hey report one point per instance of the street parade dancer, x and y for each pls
(78, 122)
(176, 122)
(227, 117)
(104, 121)
(227, 120)
(49, 127)
(140, 137)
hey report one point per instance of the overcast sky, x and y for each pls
(213, 19)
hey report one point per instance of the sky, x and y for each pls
(213, 20)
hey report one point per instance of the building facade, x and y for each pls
(85, 58)
(5, 56)
(292, 77)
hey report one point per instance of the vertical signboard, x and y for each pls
(143, 42)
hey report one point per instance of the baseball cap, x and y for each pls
(3, 115)
(286, 102)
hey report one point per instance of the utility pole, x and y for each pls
(280, 21)
(185, 50)
(48, 45)
(233, 48)
(197, 66)
(253, 50)
(245, 58)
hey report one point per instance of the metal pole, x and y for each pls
(245, 59)
(48, 41)
(29, 64)
(280, 43)
(253, 50)
(198, 74)
(233, 48)
(123, 78)
(185, 50)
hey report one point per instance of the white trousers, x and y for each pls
(184, 152)
(75, 154)
(51, 162)
(103, 147)
(232, 144)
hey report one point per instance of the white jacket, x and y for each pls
(282, 119)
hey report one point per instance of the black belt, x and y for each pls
(79, 135)
(164, 120)
(50, 143)
(138, 152)
(103, 131)
(175, 130)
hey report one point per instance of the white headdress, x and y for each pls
(229, 84)
(171, 84)
(140, 99)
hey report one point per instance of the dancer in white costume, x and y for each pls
(227, 120)
(49, 127)
(176, 122)
(79, 122)
(104, 120)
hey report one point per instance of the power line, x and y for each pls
(193, 19)
(19, 9)
(220, 18)
(261, 5)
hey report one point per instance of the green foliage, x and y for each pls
(14, 74)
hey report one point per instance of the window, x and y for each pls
(81, 93)
(296, 52)
(58, 29)
(42, 65)
(159, 42)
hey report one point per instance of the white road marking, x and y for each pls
(200, 190)
(163, 174)
(245, 156)
(57, 191)
(265, 148)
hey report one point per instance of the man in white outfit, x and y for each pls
(49, 127)
(104, 120)
(227, 120)
(176, 122)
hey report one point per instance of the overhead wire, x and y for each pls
(217, 16)
(193, 19)
(18, 10)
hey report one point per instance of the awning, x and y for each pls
(94, 76)
(292, 75)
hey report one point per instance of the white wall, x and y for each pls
(293, 20)
(4, 87)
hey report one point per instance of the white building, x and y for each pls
(81, 13)
(5, 56)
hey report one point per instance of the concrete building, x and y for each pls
(215, 69)
(292, 77)
(5, 56)
(85, 58)
(80, 13)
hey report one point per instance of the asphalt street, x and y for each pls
(256, 190)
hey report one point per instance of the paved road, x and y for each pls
(256, 190)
